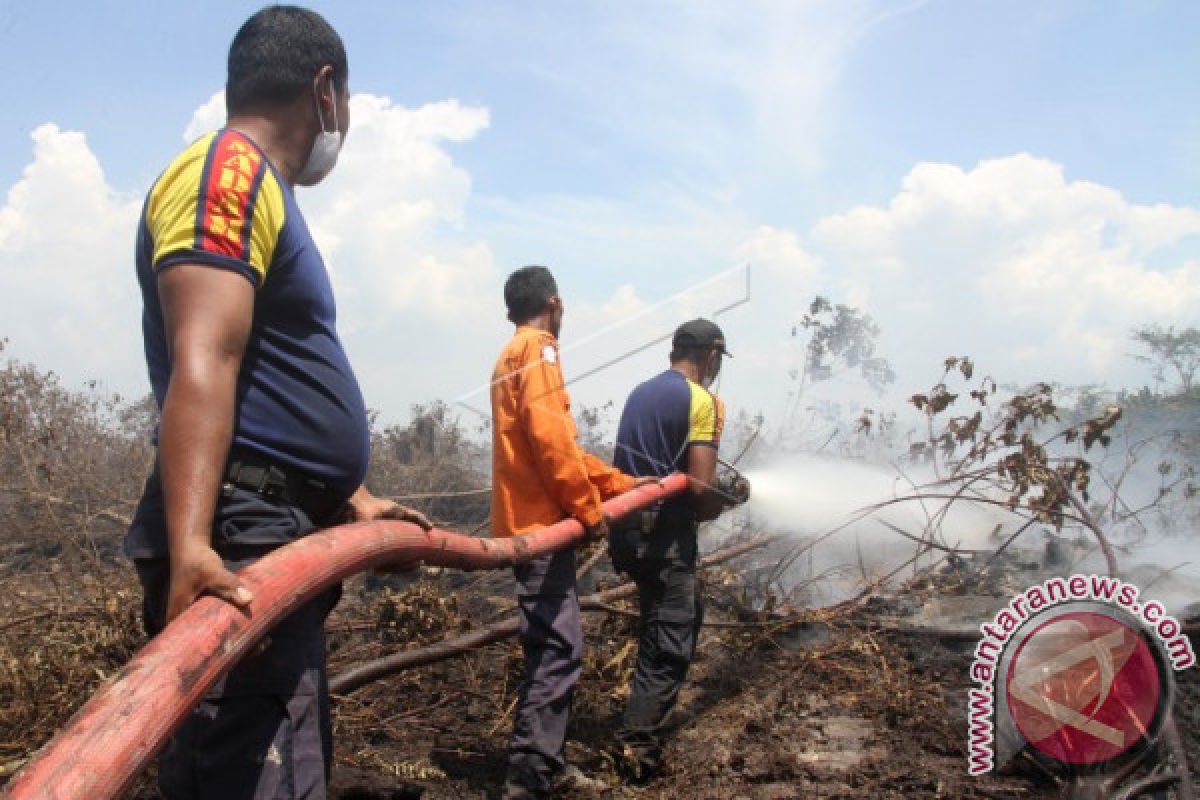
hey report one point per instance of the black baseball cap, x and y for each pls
(700, 333)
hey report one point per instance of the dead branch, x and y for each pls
(596, 605)
(369, 671)
(1090, 522)
(999, 550)
(926, 543)
(1150, 784)
(592, 561)
(51, 500)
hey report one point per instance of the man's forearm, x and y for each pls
(702, 488)
(708, 506)
(194, 439)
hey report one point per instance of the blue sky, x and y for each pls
(639, 147)
(1107, 88)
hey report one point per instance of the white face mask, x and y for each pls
(324, 153)
(710, 377)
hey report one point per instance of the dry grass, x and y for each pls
(53, 658)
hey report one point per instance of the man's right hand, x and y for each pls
(202, 572)
(740, 491)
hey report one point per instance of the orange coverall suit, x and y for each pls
(540, 475)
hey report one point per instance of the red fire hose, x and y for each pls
(108, 741)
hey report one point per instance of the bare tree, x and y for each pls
(1170, 351)
(840, 339)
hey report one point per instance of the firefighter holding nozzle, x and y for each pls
(671, 423)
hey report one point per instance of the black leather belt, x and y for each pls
(255, 473)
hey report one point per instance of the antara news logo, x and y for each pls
(1078, 672)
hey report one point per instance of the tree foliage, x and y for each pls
(841, 339)
(842, 335)
(1170, 351)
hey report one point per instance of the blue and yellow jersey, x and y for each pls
(662, 418)
(221, 204)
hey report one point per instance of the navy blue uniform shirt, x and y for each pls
(221, 204)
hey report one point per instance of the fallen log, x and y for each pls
(367, 672)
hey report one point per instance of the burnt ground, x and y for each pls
(852, 714)
(836, 707)
(839, 708)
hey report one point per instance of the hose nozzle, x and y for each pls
(732, 485)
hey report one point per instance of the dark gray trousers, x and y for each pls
(264, 731)
(663, 564)
(552, 637)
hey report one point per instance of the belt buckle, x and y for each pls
(230, 483)
(274, 482)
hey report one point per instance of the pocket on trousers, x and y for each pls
(676, 616)
(247, 518)
(675, 643)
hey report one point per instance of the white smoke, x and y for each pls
(848, 513)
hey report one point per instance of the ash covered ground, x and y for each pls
(851, 702)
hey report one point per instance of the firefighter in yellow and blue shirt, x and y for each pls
(670, 423)
(264, 435)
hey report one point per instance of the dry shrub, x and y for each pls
(433, 463)
(51, 660)
(73, 462)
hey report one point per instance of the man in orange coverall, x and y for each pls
(540, 475)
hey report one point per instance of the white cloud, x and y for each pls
(1037, 275)
(66, 265)
(1033, 274)
(780, 253)
(208, 117)
(417, 300)
(386, 218)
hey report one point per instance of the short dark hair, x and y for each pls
(275, 55)
(695, 353)
(695, 339)
(527, 291)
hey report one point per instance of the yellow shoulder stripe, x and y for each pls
(703, 424)
(217, 203)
